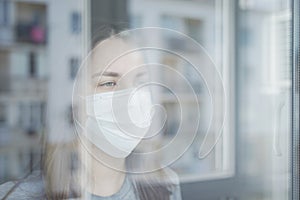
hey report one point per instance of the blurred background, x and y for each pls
(43, 42)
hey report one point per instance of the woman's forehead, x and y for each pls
(115, 55)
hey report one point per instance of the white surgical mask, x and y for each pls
(117, 121)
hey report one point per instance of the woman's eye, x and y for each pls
(108, 84)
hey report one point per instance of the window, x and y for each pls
(4, 12)
(74, 66)
(23, 115)
(207, 24)
(75, 22)
(31, 116)
(3, 114)
(30, 22)
(32, 64)
(5, 172)
(193, 27)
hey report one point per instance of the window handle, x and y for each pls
(277, 128)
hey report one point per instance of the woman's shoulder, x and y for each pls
(165, 175)
(31, 187)
(169, 177)
(173, 179)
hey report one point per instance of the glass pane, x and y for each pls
(264, 91)
(247, 43)
(39, 53)
(207, 23)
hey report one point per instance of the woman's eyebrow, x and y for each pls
(141, 74)
(106, 73)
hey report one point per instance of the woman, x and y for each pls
(114, 113)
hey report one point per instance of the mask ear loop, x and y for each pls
(84, 98)
(75, 120)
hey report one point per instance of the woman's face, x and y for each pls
(114, 69)
(116, 122)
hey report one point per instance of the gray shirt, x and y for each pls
(32, 188)
(126, 192)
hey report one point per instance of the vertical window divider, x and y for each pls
(295, 151)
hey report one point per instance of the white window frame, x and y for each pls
(225, 63)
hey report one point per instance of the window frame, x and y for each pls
(226, 65)
(295, 109)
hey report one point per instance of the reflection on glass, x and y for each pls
(254, 149)
(264, 96)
